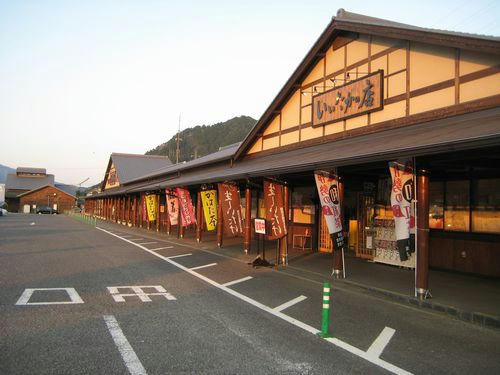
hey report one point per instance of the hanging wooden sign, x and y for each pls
(172, 207)
(275, 212)
(231, 209)
(209, 201)
(186, 207)
(355, 98)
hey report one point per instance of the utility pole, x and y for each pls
(178, 139)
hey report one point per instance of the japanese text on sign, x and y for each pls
(275, 212)
(352, 99)
(172, 207)
(231, 209)
(151, 207)
(186, 207)
(209, 201)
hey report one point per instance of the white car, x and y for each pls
(3, 212)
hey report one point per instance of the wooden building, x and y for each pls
(369, 92)
(50, 196)
(24, 180)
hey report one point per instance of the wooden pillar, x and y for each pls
(179, 226)
(247, 243)
(141, 207)
(199, 222)
(337, 254)
(220, 222)
(422, 266)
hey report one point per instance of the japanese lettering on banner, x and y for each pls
(231, 209)
(151, 206)
(275, 212)
(186, 207)
(401, 201)
(144, 208)
(209, 201)
(328, 190)
(172, 207)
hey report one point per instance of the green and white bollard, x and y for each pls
(326, 311)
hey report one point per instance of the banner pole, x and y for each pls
(343, 263)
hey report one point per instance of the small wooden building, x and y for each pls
(47, 195)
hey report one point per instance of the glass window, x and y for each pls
(303, 204)
(456, 214)
(486, 206)
(436, 205)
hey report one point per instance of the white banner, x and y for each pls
(328, 190)
(402, 192)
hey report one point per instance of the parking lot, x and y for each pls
(80, 299)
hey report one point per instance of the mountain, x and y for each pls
(205, 139)
(4, 171)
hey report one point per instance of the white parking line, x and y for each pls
(134, 239)
(339, 343)
(238, 281)
(147, 243)
(162, 248)
(206, 265)
(72, 293)
(289, 303)
(131, 360)
(178, 256)
(381, 342)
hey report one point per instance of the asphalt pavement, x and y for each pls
(76, 299)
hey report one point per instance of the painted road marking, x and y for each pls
(162, 248)
(206, 265)
(178, 256)
(135, 239)
(139, 292)
(238, 281)
(289, 303)
(131, 360)
(25, 297)
(148, 243)
(339, 343)
(381, 342)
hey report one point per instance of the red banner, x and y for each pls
(231, 209)
(275, 212)
(186, 207)
(172, 206)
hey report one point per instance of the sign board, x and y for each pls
(260, 226)
(112, 178)
(275, 211)
(355, 98)
(209, 202)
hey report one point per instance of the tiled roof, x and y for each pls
(15, 182)
(131, 166)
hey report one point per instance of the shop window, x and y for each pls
(302, 205)
(486, 206)
(457, 209)
(436, 205)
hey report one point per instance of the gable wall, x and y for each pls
(111, 178)
(418, 78)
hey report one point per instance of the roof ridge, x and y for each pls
(138, 155)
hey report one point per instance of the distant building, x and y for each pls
(29, 188)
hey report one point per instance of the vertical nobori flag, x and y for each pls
(209, 201)
(275, 212)
(328, 190)
(231, 209)
(144, 208)
(401, 199)
(186, 207)
(151, 206)
(172, 206)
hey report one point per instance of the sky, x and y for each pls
(82, 79)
